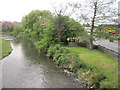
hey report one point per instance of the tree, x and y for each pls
(59, 24)
(61, 18)
(34, 23)
(17, 30)
(7, 26)
(107, 31)
(73, 30)
(48, 37)
(96, 12)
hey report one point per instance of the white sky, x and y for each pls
(14, 10)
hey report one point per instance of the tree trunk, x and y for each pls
(91, 45)
(59, 38)
(92, 28)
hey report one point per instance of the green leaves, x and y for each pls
(48, 37)
(35, 22)
(107, 31)
(17, 30)
(63, 57)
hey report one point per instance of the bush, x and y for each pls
(64, 57)
(52, 49)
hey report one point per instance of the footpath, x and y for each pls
(114, 46)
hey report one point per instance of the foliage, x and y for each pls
(7, 26)
(107, 32)
(67, 28)
(34, 23)
(59, 23)
(63, 57)
(75, 30)
(42, 28)
(99, 12)
(31, 18)
(52, 49)
(49, 33)
(48, 38)
(66, 59)
(17, 30)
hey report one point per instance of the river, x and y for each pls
(26, 68)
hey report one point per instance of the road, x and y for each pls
(109, 45)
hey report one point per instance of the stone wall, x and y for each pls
(108, 52)
(111, 53)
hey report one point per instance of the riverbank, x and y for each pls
(31, 69)
(5, 48)
(101, 68)
(92, 67)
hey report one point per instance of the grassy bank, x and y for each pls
(104, 68)
(93, 67)
(5, 48)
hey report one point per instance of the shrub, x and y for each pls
(52, 49)
(64, 57)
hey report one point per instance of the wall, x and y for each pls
(108, 52)
(111, 53)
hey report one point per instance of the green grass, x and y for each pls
(5, 48)
(104, 64)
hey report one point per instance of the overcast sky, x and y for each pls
(14, 10)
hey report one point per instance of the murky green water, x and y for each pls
(26, 68)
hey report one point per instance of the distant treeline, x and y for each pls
(8, 26)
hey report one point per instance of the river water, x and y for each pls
(26, 68)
